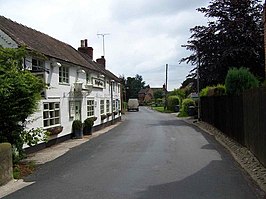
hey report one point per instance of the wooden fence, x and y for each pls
(242, 118)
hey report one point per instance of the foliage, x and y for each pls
(213, 90)
(233, 37)
(89, 122)
(238, 80)
(184, 108)
(158, 94)
(180, 93)
(19, 96)
(76, 125)
(161, 109)
(133, 86)
(172, 101)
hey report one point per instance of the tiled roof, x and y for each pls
(49, 46)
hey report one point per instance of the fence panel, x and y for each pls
(242, 118)
(255, 119)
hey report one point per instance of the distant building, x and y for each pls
(77, 86)
(146, 95)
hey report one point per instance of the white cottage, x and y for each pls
(77, 86)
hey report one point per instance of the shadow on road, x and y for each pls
(208, 183)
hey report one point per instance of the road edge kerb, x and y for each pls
(240, 153)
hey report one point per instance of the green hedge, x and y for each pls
(185, 104)
(172, 101)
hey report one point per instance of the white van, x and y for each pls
(133, 104)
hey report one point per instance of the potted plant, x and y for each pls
(88, 124)
(77, 129)
(109, 114)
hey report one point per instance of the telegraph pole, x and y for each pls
(103, 35)
(165, 89)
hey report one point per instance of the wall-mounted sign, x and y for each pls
(97, 83)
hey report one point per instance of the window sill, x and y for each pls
(64, 84)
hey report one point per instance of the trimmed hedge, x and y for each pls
(172, 101)
(185, 104)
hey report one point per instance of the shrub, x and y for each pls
(238, 80)
(172, 101)
(76, 125)
(89, 122)
(213, 91)
(185, 104)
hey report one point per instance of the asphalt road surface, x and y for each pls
(150, 155)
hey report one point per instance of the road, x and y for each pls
(150, 155)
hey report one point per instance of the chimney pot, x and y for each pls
(81, 43)
(86, 43)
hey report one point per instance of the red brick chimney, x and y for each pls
(101, 61)
(85, 49)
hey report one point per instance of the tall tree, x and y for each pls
(134, 85)
(233, 37)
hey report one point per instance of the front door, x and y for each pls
(77, 110)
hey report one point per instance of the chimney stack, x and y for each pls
(101, 61)
(85, 49)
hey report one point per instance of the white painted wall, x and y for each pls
(62, 93)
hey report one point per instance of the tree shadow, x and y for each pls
(212, 182)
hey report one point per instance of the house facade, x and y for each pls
(77, 86)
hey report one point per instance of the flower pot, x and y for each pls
(78, 134)
(87, 130)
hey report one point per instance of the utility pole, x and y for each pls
(165, 89)
(166, 76)
(103, 34)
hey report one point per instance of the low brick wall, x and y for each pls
(6, 166)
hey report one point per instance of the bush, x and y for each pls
(172, 101)
(76, 125)
(213, 91)
(185, 104)
(89, 122)
(238, 80)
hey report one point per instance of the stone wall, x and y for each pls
(6, 167)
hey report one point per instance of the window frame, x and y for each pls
(102, 107)
(51, 114)
(63, 75)
(91, 112)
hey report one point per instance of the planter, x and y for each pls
(109, 114)
(87, 130)
(78, 134)
(55, 130)
(77, 129)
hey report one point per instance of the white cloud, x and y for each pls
(144, 35)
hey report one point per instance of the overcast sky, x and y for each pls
(144, 35)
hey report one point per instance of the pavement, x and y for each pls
(49, 154)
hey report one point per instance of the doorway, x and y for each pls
(77, 110)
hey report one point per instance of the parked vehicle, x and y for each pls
(133, 104)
